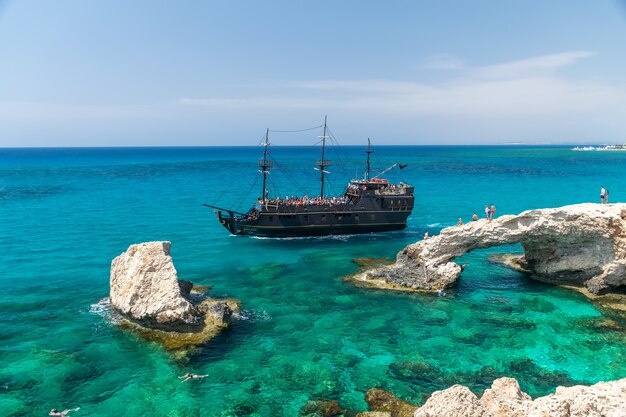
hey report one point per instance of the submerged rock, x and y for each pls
(606, 325)
(514, 261)
(372, 262)
(415, 372)
(583, 244)
(187, 337)
(383, 401)
(154, 303)
(321, 408)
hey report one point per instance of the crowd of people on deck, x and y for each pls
(394, 188)
(294, 201)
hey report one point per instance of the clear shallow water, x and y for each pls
(304, 332)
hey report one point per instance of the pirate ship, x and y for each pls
(371, 204)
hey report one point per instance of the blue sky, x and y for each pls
(123, 73)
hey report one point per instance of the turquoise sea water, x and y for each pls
(304, 333)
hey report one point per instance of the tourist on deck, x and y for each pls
(475, 217)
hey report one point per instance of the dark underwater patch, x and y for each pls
(425, 378)
(19, 193)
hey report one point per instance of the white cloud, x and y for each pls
(444, 61)
(371, 86)
(26, 111)
(539, 65)
(525, 87)
(257, 102)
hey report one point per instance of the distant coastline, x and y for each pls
(600, 148)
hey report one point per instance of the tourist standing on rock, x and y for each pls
(475, 217)
(493, 211)
(426, 235)
(602, 195)
(606, 196)
(460, 222)
(487, 212)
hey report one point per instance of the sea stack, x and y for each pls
(146, 290)
(583, 245)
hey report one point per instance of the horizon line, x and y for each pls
(302, 146)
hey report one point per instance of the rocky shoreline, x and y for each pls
(503, 399)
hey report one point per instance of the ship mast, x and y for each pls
(368, 151)
(265, 163)
(323, 163)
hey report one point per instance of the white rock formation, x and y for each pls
(145, 287)
(505, 399)
(583, 244)
(456, 401)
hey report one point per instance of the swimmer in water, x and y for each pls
(64, 413)
(189, 376)
(441, 293)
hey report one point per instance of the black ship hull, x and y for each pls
(338, 227)
(366, 214)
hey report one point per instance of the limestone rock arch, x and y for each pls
(582, 244)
